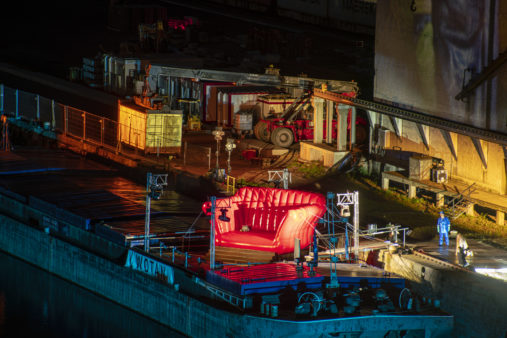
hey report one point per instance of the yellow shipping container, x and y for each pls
(153, 131)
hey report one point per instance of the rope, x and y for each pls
(191, 228)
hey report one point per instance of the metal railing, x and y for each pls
(79, 124)
(460, 204)
(231, 185)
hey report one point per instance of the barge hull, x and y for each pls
(162, 303)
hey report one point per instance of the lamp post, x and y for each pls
(229, 146)
(154, 189)
(218, 133)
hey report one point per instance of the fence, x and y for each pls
(76, 123)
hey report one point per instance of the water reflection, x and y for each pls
(38, 304)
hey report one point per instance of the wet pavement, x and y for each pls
(90, 189)
(484, 255)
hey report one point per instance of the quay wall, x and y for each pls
(478, 303)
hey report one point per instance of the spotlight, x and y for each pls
(155, 191)
(223, 216)
(345, 211)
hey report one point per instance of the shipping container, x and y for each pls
(209, 100)
(274, 104)
(152, 131)
(233, 99)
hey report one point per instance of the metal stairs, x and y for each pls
(460, 204)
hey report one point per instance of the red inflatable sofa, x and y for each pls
(274, 217)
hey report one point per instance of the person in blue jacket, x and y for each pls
(443, 228)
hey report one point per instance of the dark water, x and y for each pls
(34, 303)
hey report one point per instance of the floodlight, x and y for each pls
(345, 211)
(223, 216)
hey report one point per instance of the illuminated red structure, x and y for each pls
(274, 217)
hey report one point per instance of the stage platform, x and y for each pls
(262, 278)
(274, 277)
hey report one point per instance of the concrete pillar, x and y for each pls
(318, 120)
(470, 210)
(329, 121)
(341, 127)
(439, 200)
(412, 189)
(500, 217)
(385, 183)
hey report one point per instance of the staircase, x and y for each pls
(460, 204)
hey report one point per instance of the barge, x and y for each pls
(61, 221)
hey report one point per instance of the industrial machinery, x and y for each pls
(295, 123)
(438, 171)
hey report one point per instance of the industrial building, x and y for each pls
(443, 65)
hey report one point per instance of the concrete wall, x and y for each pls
(424, 56)
(478, 303)
(468, 167)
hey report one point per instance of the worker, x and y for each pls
(462, 250)
(461, 244)
(443, 227)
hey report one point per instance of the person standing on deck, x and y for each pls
(443, 228)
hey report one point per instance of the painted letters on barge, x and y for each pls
(148, 265)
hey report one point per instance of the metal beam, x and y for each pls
(423, 135)
(448, 139)
(251, 78)
(395, 126)
(353, 116)
(478, 147)
(487, 73)
(417, 117)
(371, 120)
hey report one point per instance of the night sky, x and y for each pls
(52, 35)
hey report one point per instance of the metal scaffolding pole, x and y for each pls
(147, 215)
(212, 235)
(356, 225)
(351, 199)
(154, 189)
